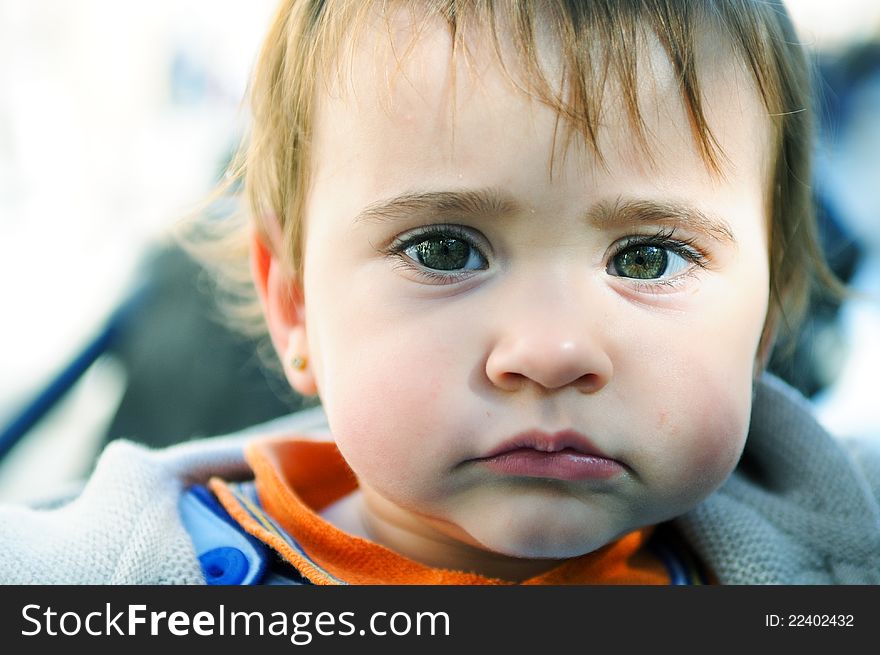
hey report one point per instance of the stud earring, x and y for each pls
(299, 363)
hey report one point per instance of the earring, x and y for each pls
(299, 363)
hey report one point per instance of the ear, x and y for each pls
(283, 301)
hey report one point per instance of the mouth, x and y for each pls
(564, 455)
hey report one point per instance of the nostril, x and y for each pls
(516, 382)
(588, 383)
(511, 381)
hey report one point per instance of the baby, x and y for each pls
(532, 258)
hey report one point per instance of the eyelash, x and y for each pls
(663, 238)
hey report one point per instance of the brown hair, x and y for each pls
(308, 37)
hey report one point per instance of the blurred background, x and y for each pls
(118, 118)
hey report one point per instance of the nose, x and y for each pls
(553, 345)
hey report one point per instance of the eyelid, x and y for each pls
(660, 285)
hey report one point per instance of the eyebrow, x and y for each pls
(491, 202)
(671, 212)
(469, 202)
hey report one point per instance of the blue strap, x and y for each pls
(682, 569)
(227, 554)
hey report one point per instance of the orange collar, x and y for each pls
(296, 479)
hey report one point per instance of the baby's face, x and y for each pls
(467, 309)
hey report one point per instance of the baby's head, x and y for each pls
(484, 230)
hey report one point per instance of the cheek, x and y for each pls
(700, 423)
(694, 453)
(696, 396)
(388, 394)
(717, 424)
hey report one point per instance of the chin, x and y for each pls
(530, 540)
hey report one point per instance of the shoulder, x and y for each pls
(125, 525)
(783, 417)
(866, 457)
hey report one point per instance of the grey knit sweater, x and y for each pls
(801, 508)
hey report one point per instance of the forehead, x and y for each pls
(403, 77)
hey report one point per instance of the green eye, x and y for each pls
(442, 253)
(646, 262)
(641, 262)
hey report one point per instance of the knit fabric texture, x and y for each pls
(801, 508)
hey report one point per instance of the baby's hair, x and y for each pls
(601, 42)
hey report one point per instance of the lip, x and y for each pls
(548, 443)
(564, 455)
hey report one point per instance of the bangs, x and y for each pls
(601, 46)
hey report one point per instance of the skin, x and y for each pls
(419, 377)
